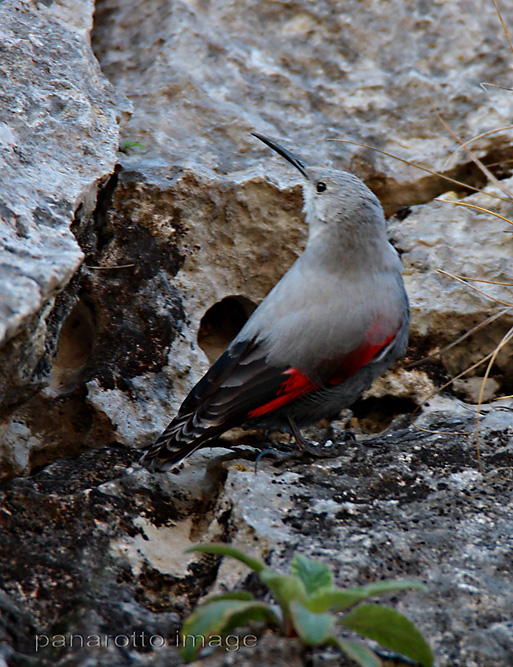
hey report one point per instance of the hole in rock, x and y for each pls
(221, 323)
(375, 414)
(76, 342)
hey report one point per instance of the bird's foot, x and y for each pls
(328, 449)
(345, 436)
(305, 448)
(279, 456)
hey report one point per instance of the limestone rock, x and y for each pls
(443, 238)
(105, 539)
(58, 136)
(202, 77)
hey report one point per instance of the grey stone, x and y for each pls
(440, 236)
(59, 131)
(105, 541)
(309, 72)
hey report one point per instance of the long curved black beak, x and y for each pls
(290, 157)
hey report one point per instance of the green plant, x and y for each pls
(306, 606)
(128, 146)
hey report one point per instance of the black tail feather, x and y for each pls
(162, 456)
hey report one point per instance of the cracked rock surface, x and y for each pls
(58, 141)
(105, 542)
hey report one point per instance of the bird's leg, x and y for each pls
(303, 448)
(330, 436)
(307, 448)
(274, 451)
(301, 443)
(328, 433)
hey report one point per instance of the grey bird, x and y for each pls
(336, 321)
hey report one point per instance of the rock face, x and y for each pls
(443, 238)
(309, 71)
(123, 275)
(59, 136)
(106, 541)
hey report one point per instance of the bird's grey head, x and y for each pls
(335, 200)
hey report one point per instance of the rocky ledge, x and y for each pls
(93, 546)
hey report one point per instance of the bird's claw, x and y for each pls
(271, 452)
(319, 451)
(306, 448)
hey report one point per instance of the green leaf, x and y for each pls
(312, 629)
(391, 629)
(361, 654)
(313, 574)
(227, 550)
(132, 144)
(219, 617)
(382, 587)
(334, 599)
(229, 595)
(284, 587)
(338, 599)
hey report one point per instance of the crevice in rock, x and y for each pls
(107, 324)
(221, 323)
(376, 414)
(76, 342)
(132, 332)
(102, 211)
(102, 16)
(396, 196)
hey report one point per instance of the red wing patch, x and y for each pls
(297, 384)
(358, 358)
(294, 386)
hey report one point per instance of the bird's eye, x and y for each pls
(321, 187)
